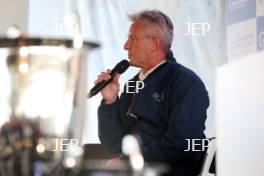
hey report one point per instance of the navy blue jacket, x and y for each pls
(170, 109)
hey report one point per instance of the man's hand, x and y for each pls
(109, 92)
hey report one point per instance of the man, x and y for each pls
(168, 111)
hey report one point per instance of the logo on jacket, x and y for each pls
(158, 97)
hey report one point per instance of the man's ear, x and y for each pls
(156, 44)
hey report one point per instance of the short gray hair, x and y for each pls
(161, 20)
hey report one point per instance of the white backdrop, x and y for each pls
(239, 113)
(105, 21)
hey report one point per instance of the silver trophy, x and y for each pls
(41, 87)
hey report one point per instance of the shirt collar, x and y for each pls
(143, 76)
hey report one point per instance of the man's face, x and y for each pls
(138, 45)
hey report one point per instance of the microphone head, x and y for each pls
(121, 67)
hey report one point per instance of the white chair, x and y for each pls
(208, 158)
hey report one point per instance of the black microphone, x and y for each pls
(120, 68)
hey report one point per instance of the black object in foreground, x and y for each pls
(120, 68)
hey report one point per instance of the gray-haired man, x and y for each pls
(170, 109)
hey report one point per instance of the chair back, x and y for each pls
(209, 159)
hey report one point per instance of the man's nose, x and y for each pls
(126, 45)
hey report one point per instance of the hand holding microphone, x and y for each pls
(108, 84)
(110, 91)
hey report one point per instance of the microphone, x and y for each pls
(120, 68)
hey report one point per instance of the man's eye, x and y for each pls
(133, 38)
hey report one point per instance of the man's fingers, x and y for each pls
(116, 78)
(102, 77)
(105, 76)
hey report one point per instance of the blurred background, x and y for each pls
(235, 29)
